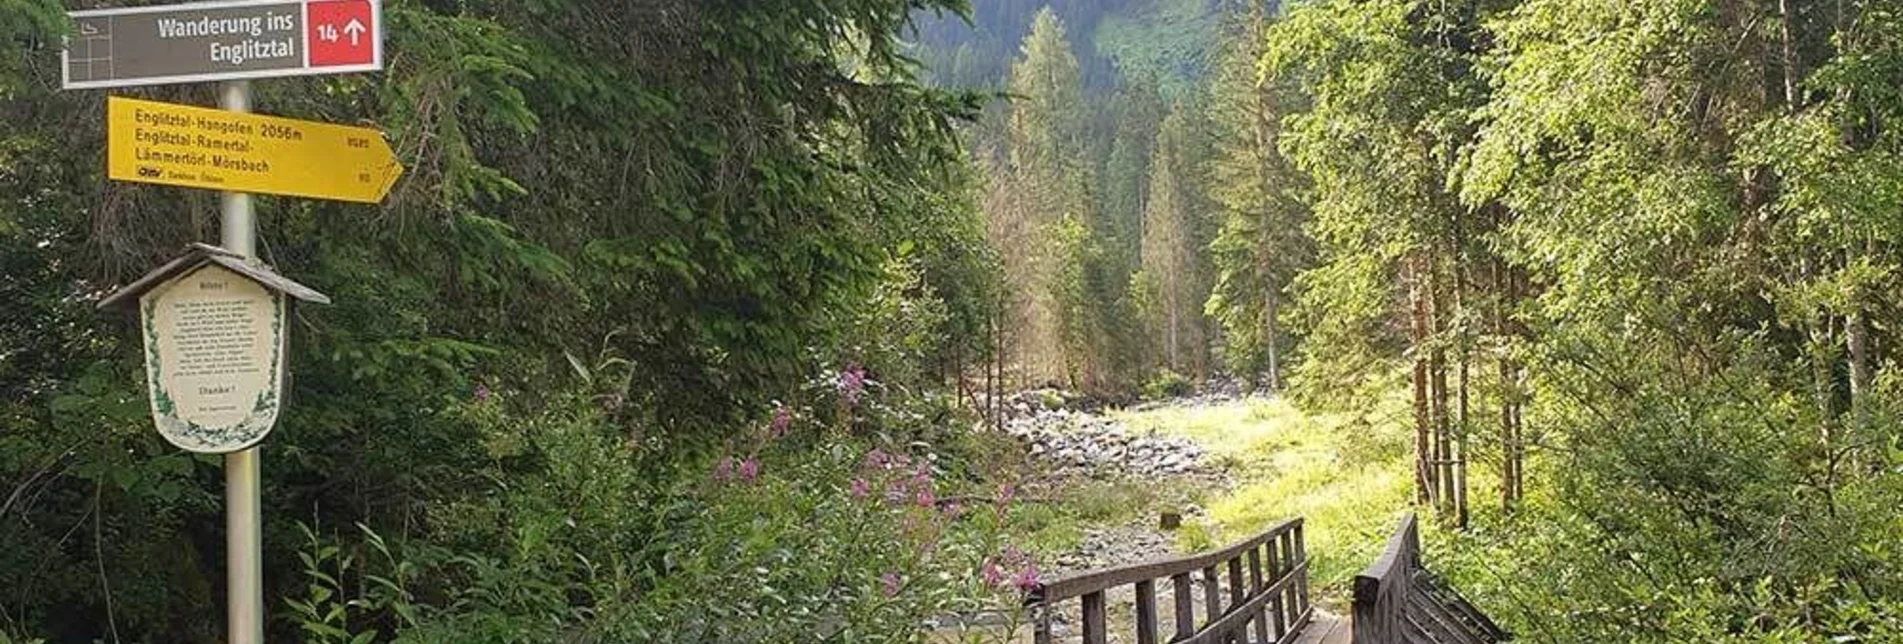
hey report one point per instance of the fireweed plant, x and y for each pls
(810, 526)
(882, 552)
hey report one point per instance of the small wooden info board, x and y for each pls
(214, 347)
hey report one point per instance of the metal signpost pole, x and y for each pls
(237, 153)
(244, 570)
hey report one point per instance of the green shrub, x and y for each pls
(790, 536)
(1168, 384)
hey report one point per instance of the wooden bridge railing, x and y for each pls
(1274, 599)
(1399, 601)
(1381, 593)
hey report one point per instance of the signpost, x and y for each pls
(220, 41)
(196, 147)
(229, 42)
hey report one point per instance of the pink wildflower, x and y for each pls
(889, 583)
(723, 469)
(992, 573)
(954, 510)
(852, 383)
(926, 499)
(1027, 579)
(749, 470)
(876, 458)
(860, 489)
(781, 419)
(482, 393)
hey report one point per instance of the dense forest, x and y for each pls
(693, 321)
(1629, 261)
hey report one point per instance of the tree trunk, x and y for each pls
(1443, 446)
(1171, 304)
(1509, 443)
(1424, 483)
(1270, 305)
(1789, 54)
(1460, 419)
(1857, 344)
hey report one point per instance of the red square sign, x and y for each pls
(340, 32)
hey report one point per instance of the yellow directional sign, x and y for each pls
(197, 147)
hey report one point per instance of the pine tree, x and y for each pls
(1049, 191)
(1172, 269)
(1260, 245)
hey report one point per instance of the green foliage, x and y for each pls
(1174, 287)
(1672, 207)
(705, 200)
(1045, 246)
(1167, 39)
(786, 539)
(1259, 245)
(1167, 384)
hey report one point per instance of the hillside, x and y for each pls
(1112, 39)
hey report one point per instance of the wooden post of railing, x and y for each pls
(1300, 553)
(1212, 596)
(1277, 608)
(1255, 588)
(1185, 606)
(1381, 592)
(1095, 631)
(1146, 611)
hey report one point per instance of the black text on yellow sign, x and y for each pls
(197, 147)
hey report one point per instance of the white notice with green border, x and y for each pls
(214, 352)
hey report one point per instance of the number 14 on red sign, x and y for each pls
(343, 32)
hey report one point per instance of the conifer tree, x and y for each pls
(1052, 207)
(1171, 275)
(1260, 244)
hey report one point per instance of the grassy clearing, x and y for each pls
(1347, 475)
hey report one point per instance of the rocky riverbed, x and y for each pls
(1071, 437)
(1081, 441)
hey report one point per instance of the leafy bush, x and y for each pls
(1168, 384)
(791, 533)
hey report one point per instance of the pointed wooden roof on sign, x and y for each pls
(202, 254)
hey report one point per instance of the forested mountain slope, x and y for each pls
(1171, 39)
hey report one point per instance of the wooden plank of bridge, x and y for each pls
(1327, 628)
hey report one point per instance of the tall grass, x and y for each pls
(1347, 475)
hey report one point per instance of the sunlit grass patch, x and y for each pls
(1242, 431)
(1347, 475)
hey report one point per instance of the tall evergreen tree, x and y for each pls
(1172, 274)
(1261, 244)
(1051, 198)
